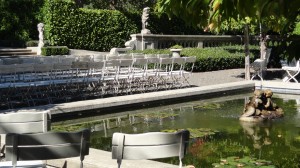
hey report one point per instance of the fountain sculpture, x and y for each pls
(145, 18)
(41, 38)
(261, 107)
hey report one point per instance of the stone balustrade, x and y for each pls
(158, 41)
(155, 41)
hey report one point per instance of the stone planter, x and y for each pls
(176, 52)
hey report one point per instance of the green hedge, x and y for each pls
(82, 28)
(55, 50)
(214, 58)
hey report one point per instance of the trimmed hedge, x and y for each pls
(81, 28)
(55, 50)
(214, 58)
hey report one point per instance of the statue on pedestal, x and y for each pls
(145, 18)
(40, 27)
(261, 107)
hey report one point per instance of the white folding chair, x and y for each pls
(139, 79)
(138, 55)
(152, 145)
(292, 72)
(152, 71)
(260, 65)
(99, 57)
(164, 73)
(24, 122)
(26, 150)
(177, 71)
(187, 73)
(124, 76)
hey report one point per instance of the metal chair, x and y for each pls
(164, 73)
(152, 72)
(292, 72)
(28, 148)
(177, 71)
(150, 145)
(260, 65)
(187, 73)
(139, 79)
(25, 122)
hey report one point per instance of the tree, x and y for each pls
(277, 15)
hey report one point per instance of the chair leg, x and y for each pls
(292, 76)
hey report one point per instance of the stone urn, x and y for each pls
(176, 52)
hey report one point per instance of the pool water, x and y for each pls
(277, 141)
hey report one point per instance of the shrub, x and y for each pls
(176, 47)
(81, 28)
(55, 50)
(211, 59)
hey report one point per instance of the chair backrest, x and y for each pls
(190, 60)
(151, 145)
(25, 122)
(45, 146)
(138, 55)
(99, 57)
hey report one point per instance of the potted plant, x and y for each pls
(176, 49)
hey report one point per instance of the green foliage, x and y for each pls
(196, 132)
(19, 19)
(211, 14)
(55, 50)
(176, 47)
(297, 29)
(161, 24)
(85, 28)
(212, 59)
(124, 5)
(234, 161)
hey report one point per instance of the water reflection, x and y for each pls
(263, 140)
(258, 133)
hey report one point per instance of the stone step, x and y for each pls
(15, 51)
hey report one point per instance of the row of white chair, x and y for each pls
(35, 83)
(71, 58)
(28, 142)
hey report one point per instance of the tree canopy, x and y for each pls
(276, 15)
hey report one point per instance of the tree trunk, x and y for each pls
(247, 53)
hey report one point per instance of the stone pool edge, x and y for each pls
(136, 99)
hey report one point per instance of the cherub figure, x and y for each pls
(255, 106)
(271, 110)
(258, 101)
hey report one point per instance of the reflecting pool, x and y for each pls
(223, 134)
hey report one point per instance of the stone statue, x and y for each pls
(40, 27)
(261, 107)
(145, 18)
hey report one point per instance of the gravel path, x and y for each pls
(230, 75)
